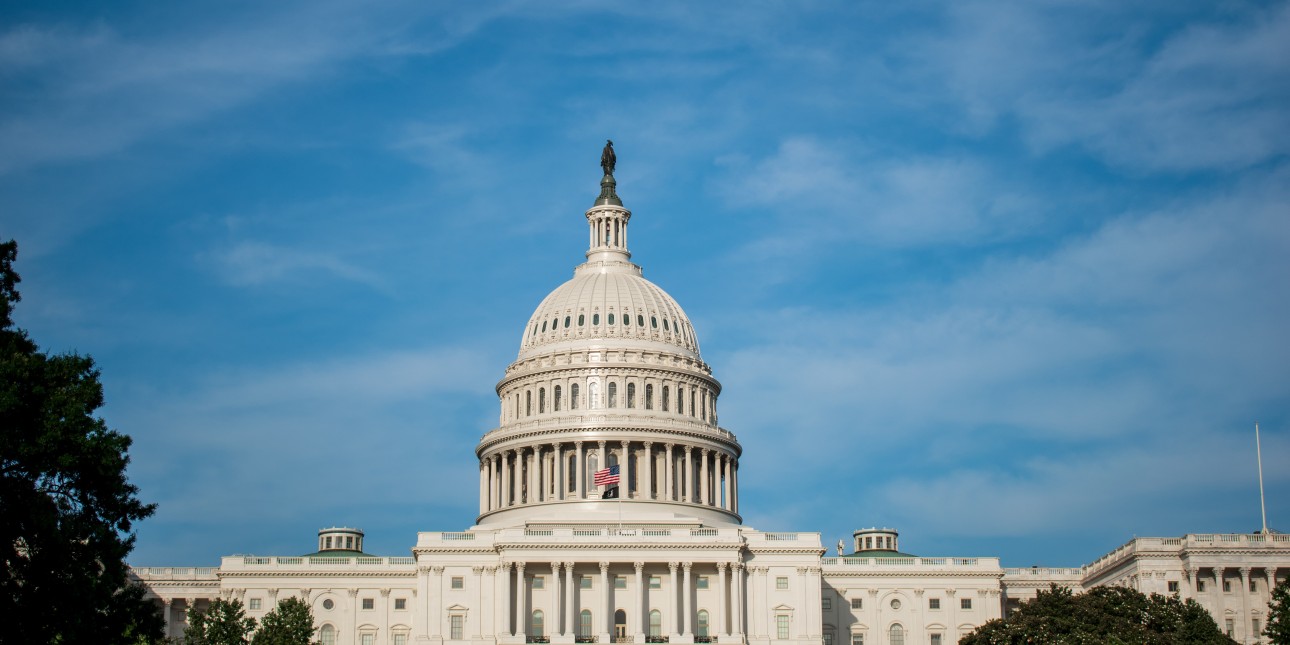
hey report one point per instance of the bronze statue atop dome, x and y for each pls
(607, 158)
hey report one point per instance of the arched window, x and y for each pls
(589, 479)
(582, 318)
(543, 325)
(703, 411)
(566, 322)
(327, 635)
(655, 623)
(537, 625)
(692, 403)
(665, 398)
(595, 319)
(653, 322)
(584, 623)
(572, 485)
(627, 320)
(528, 403)
(701, 627)
(620, 625)
(640, 320)
(649, 397)
(555, 400)
(680, 400)
(573, 396)
(665, 327)
(896, 635)
(611, 319)
(541, 400)
(613, 395)
(594, 404)
(631, 395)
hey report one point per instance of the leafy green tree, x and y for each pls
(1278, 629)
(223, 623)
(66, 508)
(1110, 615)
(290, 623)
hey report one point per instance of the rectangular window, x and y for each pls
(400, 604)
(456, 627)
(539, 582)
(965, 603)
(1253, 588)
(935, 639)
(400, 639)
(1228, 627)
(1173, 586)
(857, 639)
(620, 582)
(828, 638)
(458, 582)
(1227, 586)
(857, 603)
(781, 582)
(655, 582)
(368, 639)
(781, 627)
(584, 582)
(701, 583)
(253, 603)
(369, 603)
(826, 603)
(1200, 585)
(1254, 624)
(934, 603)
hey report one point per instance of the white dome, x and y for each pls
(608, 302)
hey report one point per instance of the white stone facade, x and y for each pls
(609, 374)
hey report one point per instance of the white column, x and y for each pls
(1244, 627)
(687, 487)
(521, 612)
(671, 480)
(687, 614)
(557, 600)
(504, 592)
(582, 472)
(642, 608)
(436, 602)
(672, 624)
(602, 461)
(483, 489)
(506, 479)
(737, 609)
(541, 475)
(607, 601)
(648, 486)
(725, 480)
(723, 602)
(559, 471)
(624, 474)
(165, 617)
(531, 496)
(734, 487)
(492, 486)
(570, 626)
(705, 492)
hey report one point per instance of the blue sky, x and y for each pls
(1008, 276)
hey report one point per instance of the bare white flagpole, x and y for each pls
(1258, 449)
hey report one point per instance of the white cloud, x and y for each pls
(258, 263)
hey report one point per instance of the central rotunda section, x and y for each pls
(608, 377)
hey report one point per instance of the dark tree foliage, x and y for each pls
(1104, 615)
(223, 623)
(66, 509)
(290, 623)
(1278, 629)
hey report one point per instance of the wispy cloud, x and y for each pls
(259, 263)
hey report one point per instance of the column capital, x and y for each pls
(519, 566)
(737, 566)
(951, 592)
(688, 449)
(639, 566)
(569, 566)
(647, 443)
(706, 451)
(687, 566)
(669, 446)
(578, 444)
(437, 569)
(385, 592)
(604, 568)
(555, 568)
(1245, 572)
(721, 566)
(671, 566)
(273, 593)
(191, 602)
(304, 593)
(352, 592)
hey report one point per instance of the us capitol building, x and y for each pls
(609, 383)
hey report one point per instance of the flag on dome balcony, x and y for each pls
(610, 493)
(607, 476)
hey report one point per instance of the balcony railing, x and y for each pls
(656, 639)
(586, 639)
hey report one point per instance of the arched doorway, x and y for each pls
(620, 626)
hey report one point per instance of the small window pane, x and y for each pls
(254, 603)
(611, 319)
(582, 318)
(701, 583)
(595, 319)
(543, 325)
(640, 320)
(653, 322)
(566, 322)
(781, 582)
(665, 327)
(620, 582)
(539, 582)
(655, 582)
(857, 603)
(400, 603)
(965, 603)
(458, 582)
(585, 582)
(369, 603)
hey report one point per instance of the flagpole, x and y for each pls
(1258, 449)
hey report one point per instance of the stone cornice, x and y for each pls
(637, 369)
(499, 436)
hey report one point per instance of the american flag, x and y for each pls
(607, 476)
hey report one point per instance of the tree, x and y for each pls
(66, 507)
(1278, 629)
(290, 623)
(223, 623)
(1102, 615)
